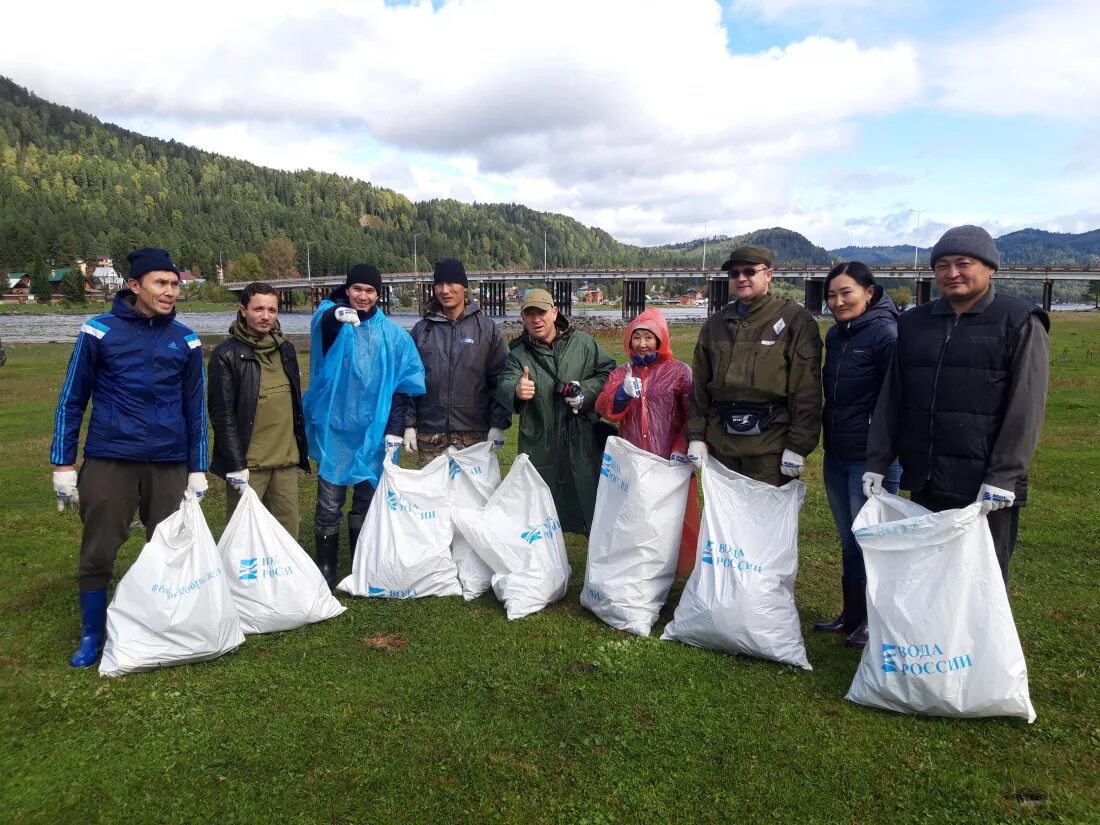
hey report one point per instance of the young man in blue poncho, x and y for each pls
(361, 367)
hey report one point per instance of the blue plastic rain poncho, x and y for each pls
(350, 391)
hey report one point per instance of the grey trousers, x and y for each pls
(110, 493)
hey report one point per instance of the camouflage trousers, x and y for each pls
(432, 445)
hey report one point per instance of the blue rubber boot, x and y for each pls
(93, 627)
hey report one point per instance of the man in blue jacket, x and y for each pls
(146, 441)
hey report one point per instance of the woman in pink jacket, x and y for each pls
(649, 397)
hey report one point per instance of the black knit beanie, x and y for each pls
(365, 274)
(971, 241)
(150, 259)
(450, 271)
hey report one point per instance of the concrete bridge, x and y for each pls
(560, 284)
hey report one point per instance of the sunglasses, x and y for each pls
(746, 271)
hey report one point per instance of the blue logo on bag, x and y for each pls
(545, 530)
(610, 469)
(375, 591)
(926, 659)
(531, 536)
(248, 570)
(402, 505)
(708, 554)
(452, 468)
(720, 554)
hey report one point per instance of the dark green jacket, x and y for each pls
(562, 446)
(771, 356)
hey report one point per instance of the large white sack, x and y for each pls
(275, 584)
(404, 549)
(634, 543)
(740, 596)
(174, 605)
(941, 636)
(518, 535)
(475, 475)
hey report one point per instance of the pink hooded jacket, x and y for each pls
(655, 421)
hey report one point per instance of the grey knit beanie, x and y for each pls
(972, 241)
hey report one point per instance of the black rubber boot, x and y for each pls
(842, 623)
(325, 550)
(858, 636)
(355, 527)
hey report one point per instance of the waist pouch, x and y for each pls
(751, 419)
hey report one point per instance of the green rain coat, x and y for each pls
(563, 447)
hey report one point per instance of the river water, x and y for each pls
(44, 329)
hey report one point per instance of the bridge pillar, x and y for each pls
(1048, 294)
(286, 300)
(492, 298)
(385, 299)
(718, 294)
(562, 292)
(424, 295)
(633, 297)
(316, 295)
(813, 291)
(924, 292)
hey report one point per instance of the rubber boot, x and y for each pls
(326, 547)
(842, 623)
(93, 627)
(355, 527)
(858, 636)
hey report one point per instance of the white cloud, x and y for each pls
(1041, 61)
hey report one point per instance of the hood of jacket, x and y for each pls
(434, 312)
(655, 322)
(882, 308)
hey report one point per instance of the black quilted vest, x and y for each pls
(955, 381)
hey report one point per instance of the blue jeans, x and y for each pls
(330, 503)
(844, 488)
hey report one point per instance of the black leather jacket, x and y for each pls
(233, 378)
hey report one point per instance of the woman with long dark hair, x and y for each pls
(858, 351)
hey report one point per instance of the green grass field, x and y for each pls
(436, 710)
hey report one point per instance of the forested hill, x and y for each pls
(74, 187)
(788, 247)
(1027, 247)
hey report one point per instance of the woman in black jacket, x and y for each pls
(858, 352)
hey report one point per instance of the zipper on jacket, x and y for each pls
(935, 387)
(836, 384)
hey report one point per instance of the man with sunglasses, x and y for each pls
(757, 378)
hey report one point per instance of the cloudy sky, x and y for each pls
(653, 119)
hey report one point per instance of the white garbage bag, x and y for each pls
(941, 640)
(634, 543)
(404, 549)
(740, 596)
(518, 535)
(174, 605)
(275, 584)
(475, 475)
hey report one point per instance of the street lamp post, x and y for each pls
(705, 224)
(309, 273)
(916, 237)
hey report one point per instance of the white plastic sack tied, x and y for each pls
(740, 596)
(275, 585)
(518, 535)
(634, 543)
(174, 605)
(941, 636)
(475, 475)
(404, 549)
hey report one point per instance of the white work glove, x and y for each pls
(994, 498)
(408, 441)
(525, 387)
(697, 452)
(632, 386)
(791, 464)
(495, 437)
(393, 446)
(64, 487)
(575, 402)
(196, 484)
(347, 315)
(239, 479)
(872, 484)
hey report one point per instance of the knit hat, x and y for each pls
(150, 259)
(749, 254)
(971, 241)
(365, 274)
(450, 271)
